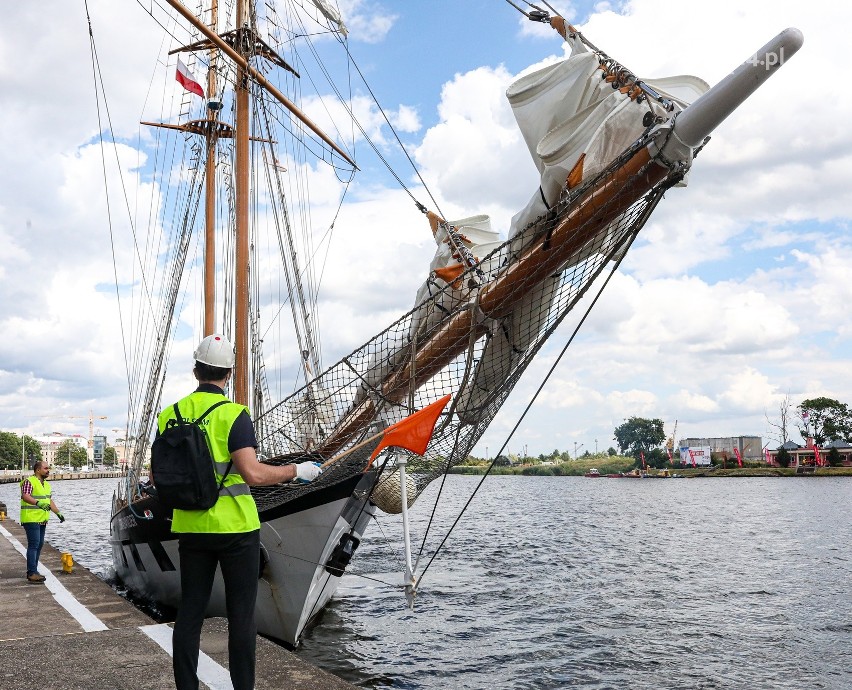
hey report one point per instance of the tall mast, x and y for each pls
(210, 187)
(242, 49)
(241, 244)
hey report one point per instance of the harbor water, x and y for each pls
(567, 582)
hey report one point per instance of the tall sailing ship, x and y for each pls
(607, 145)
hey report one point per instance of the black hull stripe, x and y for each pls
(136, 558)
(128, 530)
(161, 556)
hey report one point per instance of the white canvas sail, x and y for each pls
(575, 124)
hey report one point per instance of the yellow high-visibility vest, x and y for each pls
(235, 509)
(31, 513)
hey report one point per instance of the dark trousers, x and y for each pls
(239, 557)
(35, 540)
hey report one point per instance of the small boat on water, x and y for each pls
(593, 473)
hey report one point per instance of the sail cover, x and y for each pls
(331, 13)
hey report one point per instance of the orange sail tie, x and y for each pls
(414, 432)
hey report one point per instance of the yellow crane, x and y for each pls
(670, 443)
(91, 417)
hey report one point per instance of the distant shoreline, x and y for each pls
(688, 473)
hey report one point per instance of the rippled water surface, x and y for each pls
(557, 582)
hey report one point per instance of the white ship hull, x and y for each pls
(300, 560)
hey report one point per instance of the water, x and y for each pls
(558, 582)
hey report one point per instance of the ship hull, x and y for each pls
(298, 540)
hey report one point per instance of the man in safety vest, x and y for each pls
(228, 534)
(36, 507)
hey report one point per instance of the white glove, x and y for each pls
(307, 471)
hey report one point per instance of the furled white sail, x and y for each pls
(575, 124)
(331, 14)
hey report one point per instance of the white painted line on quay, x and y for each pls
(87, 620)
(210, 673)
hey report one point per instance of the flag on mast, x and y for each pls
(187, 80)
(413, 432)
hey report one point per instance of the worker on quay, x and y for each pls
(228, 534)
(36, 506)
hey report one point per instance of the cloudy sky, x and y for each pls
(734, 296)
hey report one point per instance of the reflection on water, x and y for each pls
(554, 582)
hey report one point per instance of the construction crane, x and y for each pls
(670, 444)
(90, 453)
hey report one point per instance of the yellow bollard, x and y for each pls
(2, 515)
(67, 562)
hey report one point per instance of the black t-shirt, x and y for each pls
(242, 432)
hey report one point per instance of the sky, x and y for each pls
(733, 298)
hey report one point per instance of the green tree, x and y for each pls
(611, 451)
(657, 458)
(69, 453)
(783, 457)
(637, 435)
(824, 419)
(11, 451)
(109, 456)
(834, 458)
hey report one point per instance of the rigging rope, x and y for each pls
(546, 378)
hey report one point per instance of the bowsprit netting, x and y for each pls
(472, 339)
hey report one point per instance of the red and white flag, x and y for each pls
(187, 80)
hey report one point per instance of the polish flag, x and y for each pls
(187, 81)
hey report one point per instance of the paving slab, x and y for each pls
(87, 637)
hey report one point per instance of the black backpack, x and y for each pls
(182, 464)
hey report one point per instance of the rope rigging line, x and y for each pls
(346, 104)
(133, 370)
(398, 140)
(95, 80)
(547, 376)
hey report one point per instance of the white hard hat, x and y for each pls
(215, 350)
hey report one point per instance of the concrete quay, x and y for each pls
(87, 637)
(15, 476)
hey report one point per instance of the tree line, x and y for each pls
(15, 450)
(822, 419)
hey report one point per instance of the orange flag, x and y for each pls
(413, 432)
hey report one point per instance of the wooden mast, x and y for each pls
(240, 55)
(241, 243)
(210, 189)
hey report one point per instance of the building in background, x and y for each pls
(98, 447)
(750, 447)
(695, 454)
(50, 445)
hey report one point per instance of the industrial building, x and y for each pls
(750, 447)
